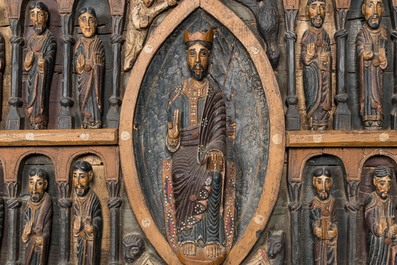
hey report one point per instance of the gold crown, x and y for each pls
(207, 36)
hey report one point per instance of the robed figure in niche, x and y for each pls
(380, 220)
(89, 55)
(317, 61)
(87, 216)
(37, 219)
(196, 137)
(324, 223)
(39, 61)
(371, 48)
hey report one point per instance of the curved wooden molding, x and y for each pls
(276, 120)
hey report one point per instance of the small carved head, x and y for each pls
(133, 247)
(38, 13)
(316, 12)
(373, 12)
(82, 177)
(198, 49)
(87, 21)
(382, 180)
(322, 182)
(38, 182)
(148, 3)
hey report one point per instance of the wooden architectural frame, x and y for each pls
(276, 120)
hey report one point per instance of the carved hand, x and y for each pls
(80, 64)
(28, 60)
(368, 55)
(216, 161)
(331, 234)
(39, 240)
(40, 62)
(324, 58)
(311, 50)
(27, 231)
(171, 2)
(173, 127)
(76, 225)
(382, 226)
(144, 23)
(382, 56)
(317, 232)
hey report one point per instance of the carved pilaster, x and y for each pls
(393, 112)
(293, 121)
(14, 119)
(13, 204)
(113, 115)
(114, 203)
(342, 115)
(352, 208)
(64, 203)
(65, 118)
(295, 207)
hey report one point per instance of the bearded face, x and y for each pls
(81, 182)
(382, 185)
(323, 185)
(316, 13)
(39, 18)
(373, 12)
(197, 57)
(37, 186)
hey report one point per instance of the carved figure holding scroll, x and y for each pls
(37, 219)
(197, 138)
(324, 223)
(39, 61)
(317, 62)
(87, 216)
(89, 56)
(371, 49)
(380, 219)
(141, 16)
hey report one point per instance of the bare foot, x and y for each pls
(212, 250)
(189, 249)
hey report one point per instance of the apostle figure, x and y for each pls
(324, 224)
(380, 219)
(141, 16)
(37, 219)
(371, 48)
(39, 61)
(87, 216)
(317, 62)
(89, 55)
(197, 138)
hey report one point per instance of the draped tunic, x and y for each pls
(197, 190)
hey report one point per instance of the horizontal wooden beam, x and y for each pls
(59, 137)
(333, 138)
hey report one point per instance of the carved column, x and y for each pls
(352, 208)
(65, 118)
(114, 202)
(117, 11)
(393, 113)
(64, 203)
(113, 115)
(14, 118)
(293, 121)
(13, 204)
(342, 115)
(295, 209)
